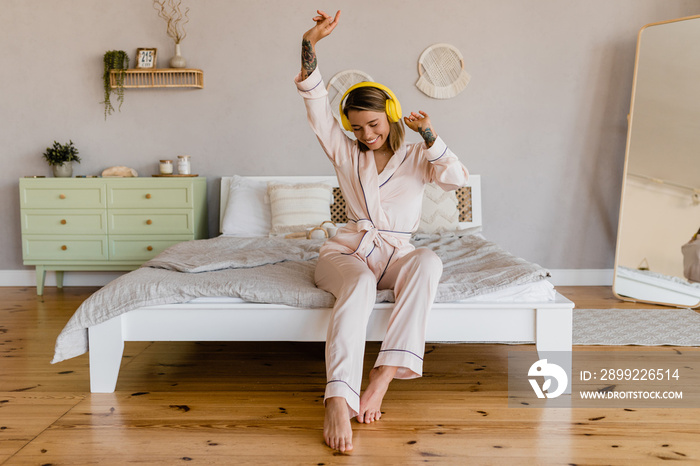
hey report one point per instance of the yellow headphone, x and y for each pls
(393, 107)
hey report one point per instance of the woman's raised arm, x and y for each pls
(324, 26)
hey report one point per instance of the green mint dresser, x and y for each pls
(106, 223)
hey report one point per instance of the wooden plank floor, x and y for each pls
(261, 403)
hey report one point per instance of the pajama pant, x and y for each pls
(414, 279)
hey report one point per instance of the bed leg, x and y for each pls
(554, 337)
(106, 349)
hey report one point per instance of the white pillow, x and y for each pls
(297, 206)
(440, 212)
(247, 214)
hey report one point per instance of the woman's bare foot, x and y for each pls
(337, 431)
(371, 400)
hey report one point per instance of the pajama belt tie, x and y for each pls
(375, 236)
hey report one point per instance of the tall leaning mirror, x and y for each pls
(657, 260)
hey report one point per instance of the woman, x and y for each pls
(382, 180)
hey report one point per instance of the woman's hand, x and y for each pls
(420, 123)
(324, 26)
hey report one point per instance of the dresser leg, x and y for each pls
(40, 277)
(59, 278)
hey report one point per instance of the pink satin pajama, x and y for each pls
(373, 250)
(414, 278)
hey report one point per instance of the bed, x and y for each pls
(208, 292)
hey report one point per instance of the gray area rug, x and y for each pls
(644, 327)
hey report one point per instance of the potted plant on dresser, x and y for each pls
(61, 157)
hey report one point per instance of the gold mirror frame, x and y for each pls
(651, 295)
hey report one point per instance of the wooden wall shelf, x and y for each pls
(135, 78)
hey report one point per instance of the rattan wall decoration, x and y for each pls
(441, 72)
(464, 204)
(340, 83)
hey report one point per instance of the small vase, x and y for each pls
(178, 61)
(65, 170)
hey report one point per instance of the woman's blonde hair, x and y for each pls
(374, 100)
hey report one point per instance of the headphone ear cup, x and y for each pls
(344, 120)
(391, 111)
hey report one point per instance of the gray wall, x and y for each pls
(543, 119)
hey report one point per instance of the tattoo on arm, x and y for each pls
(427, 135)
(308, 58)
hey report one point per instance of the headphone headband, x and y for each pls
(393, 107)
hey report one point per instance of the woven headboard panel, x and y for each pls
(468, 197)
(464, 199)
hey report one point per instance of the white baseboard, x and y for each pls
(581, 277)
(28, 278)
(560, 277)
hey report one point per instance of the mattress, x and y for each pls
(536, 292)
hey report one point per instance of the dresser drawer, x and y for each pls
(149, 197)
(151, 222)
(53, 196)
(60, 222)
(65, 249)
(127, 248)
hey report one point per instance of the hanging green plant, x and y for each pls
(114, 60)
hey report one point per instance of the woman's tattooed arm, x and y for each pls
(324, 26)
(308, 58)
(427, 134)
(420, 123)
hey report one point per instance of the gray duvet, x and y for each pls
(278, 271)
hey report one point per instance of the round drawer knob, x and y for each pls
(149, 248)
(63, 222)
(64, 247)
(148, 196)
(62, 196)
(149, 221)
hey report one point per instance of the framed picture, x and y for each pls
(146, 58)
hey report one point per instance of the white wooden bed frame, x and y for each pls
(547, 324)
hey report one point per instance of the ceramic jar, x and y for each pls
(183, 165)
(166, 167)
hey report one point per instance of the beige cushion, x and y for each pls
(298, 205)
(440, 212)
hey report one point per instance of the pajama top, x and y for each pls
(383, 209)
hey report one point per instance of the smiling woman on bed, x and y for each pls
(382, 180)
